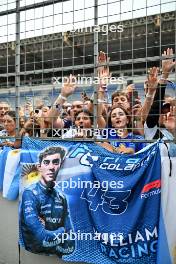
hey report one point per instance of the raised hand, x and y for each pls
(152, 81)
(8, 143)
(167, 63)
(124, 150)
(103, 71)
(69, 86)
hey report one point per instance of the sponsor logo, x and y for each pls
(150, 189)
(151, 185)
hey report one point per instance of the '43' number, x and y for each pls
(112, 202)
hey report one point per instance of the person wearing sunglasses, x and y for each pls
(44, 211)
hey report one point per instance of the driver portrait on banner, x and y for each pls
(44, 216)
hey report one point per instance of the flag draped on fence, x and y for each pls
(9, 172)
(100, 207)
(11, 175)
(112, 204)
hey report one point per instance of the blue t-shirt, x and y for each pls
(3, 133)
(134, 145)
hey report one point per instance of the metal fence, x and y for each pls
(41, 42)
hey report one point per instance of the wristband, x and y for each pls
(149, 96)
(100, 101)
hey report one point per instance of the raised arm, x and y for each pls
(167, 66)
(67, 89)
(104, 76)
(150, 87)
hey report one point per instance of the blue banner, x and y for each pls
(100, 207)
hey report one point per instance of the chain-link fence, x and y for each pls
(111, 59)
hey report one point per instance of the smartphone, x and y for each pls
(133, 95)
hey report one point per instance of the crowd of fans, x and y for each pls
(125, 123)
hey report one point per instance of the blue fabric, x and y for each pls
(3, 157)
(8, 138)
(120, 207)
(137, 146)
(38, 205)
(13, 190)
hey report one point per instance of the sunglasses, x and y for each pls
(5, 108)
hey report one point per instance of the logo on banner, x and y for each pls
(151, 188)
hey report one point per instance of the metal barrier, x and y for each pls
(42, 43)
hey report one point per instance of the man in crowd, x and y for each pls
(44, 218)
(54, 116)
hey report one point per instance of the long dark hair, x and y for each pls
(12, 114)
(129, 125)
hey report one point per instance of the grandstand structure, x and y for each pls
(132, 51)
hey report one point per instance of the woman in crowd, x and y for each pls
(9, 129)
(119, 124)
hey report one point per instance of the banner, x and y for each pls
(84, 203)
(9, 172)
